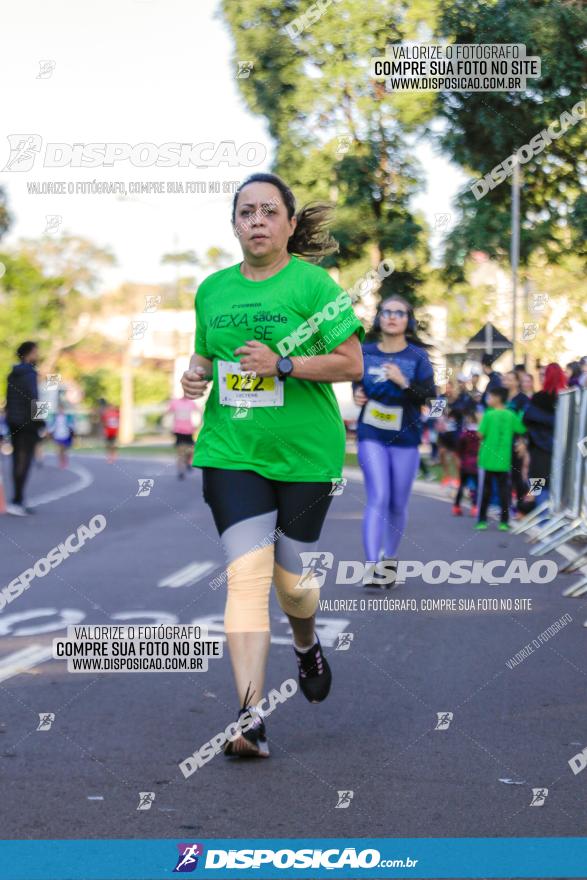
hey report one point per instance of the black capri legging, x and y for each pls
(264, 526)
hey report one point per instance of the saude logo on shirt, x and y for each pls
(262, 323)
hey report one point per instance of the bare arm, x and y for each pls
(343, 364)
(198, 360)
(195, 380)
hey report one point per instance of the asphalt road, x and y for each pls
(115, 735)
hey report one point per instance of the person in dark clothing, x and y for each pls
(463, 404)
(518, 402)
(539, 419)
(21, 397)
(468, 450)
(574, 372)
(493, 376)
(448, 435)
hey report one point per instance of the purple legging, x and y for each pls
(389, 472)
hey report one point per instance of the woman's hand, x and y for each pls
(359, 396)
(193, 383)
(393, 372)
(257, 358)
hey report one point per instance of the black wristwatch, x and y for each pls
(284, 368)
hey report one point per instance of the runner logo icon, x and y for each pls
(444, 719)
(146, 799)
(46, 719)
(437, 406)
(312, 574)
(344, 640)
(539, 795)
(23, 151)
(344, 800)
(189, 854)
(145, 486)
(338, 486)
(39, 409)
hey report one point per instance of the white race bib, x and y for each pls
(387, 417)
(237, 388)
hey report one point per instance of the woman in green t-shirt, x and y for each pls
(272, 334)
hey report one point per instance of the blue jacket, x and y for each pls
(414, 363)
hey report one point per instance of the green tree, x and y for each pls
(73, 265)
(338, 134)
(5, 218)
(30, 307)
(484, 128)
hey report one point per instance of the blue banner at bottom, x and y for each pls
(273, 859)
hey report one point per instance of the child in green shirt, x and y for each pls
(497, 429)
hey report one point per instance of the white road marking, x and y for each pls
(24, 660)
(189, 575)
(85, 479)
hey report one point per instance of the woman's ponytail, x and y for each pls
(311, 238)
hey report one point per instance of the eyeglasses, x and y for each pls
(393, 313)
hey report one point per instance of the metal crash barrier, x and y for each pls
(566, 508)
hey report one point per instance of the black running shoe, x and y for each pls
(378, 582)
(252, 742)
(314, 673)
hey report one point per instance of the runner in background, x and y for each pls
(110, 420)
(398, 379)
(183, 410)
(61, 429)
(21, 396)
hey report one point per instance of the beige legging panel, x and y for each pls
(249, 586)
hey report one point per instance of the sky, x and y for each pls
(133, 72)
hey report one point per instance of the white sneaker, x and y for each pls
(16, 510)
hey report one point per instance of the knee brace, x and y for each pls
(299, 599)
(297, 595)
(249, 585)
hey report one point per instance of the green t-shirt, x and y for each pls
(304, 439)
(497, 428)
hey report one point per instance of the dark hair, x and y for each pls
(519, 368)
(499, 391)
(24, 349)
(575, 368)
(517, 378)
(487, 360)
(311, 238)
(412, 328)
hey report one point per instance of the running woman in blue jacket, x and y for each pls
(397, 381)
